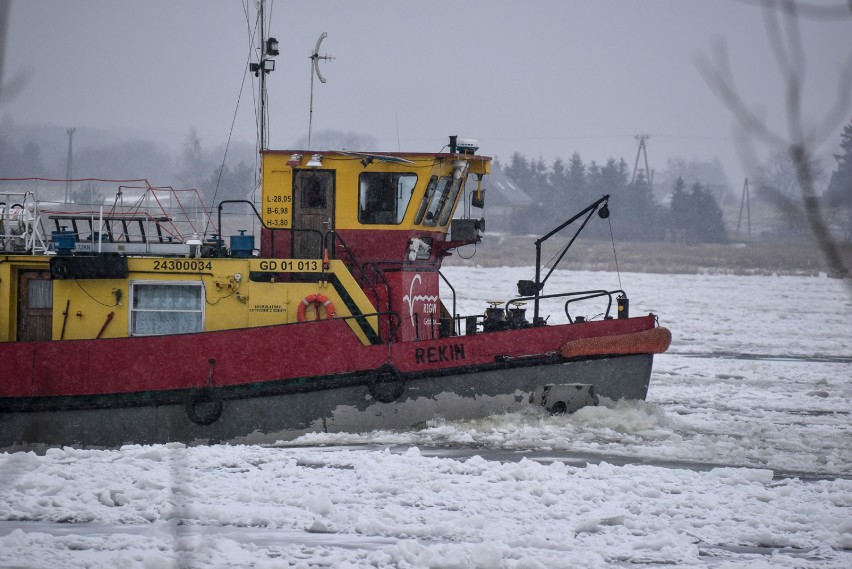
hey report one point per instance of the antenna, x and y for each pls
(69, 170)
(315, 58)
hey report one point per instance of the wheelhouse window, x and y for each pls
(166, 308)
(437, 205)
(427, 198)
(450, 202)
(383, 197)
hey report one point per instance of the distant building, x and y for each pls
(505, 203)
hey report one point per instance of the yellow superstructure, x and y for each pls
(327, 216)
(277, 199)
(227, 295)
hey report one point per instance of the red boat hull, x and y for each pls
(277, 382)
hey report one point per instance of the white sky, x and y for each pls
(545, 78)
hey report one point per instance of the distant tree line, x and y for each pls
(563, 189)
(196, 169)
(42, 152)
(778, 185)
(689, 212)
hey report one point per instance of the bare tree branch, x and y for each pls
(718, 76)
(783, 34)
(10, 89)
(4, 24)
(838, 111)
(807, 10)
(791, 61)
(813, 212)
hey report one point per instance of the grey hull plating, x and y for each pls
(351, 408)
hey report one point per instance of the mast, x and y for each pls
(262, 121)
(268, 48)
(70, 133)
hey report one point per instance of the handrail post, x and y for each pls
(537, 280)
(440, 274)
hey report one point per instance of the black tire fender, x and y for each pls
(204, 406)
(386, 385)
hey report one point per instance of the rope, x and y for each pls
(458, 252)
(92, 297)
(615, 256)
(550, 261)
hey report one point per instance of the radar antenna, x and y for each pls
(315, 59)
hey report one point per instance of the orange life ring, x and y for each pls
(318, 300)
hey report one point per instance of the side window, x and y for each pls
(427, 197)
(383, 197)
(166, 308)
(447, 210)
(442, 192)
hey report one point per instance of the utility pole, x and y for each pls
(69, 170)
(643, 151)
(744, 201)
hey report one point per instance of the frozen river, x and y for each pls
(740, 457)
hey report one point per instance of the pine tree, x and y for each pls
(577, 183)
(706, 215)
(644, 215)
(694, 215)
(839, 192)
(680, 203)
(679, 214)
(558, 181)
(191, 165)
(518, 170)
(594, 183)
(539, 182)
(227, 183)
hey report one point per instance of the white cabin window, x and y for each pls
(437, 200)
(383, 197)
(450, 201)
(427, 198)
(166, 308)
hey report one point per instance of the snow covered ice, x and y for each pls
(740, 457)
